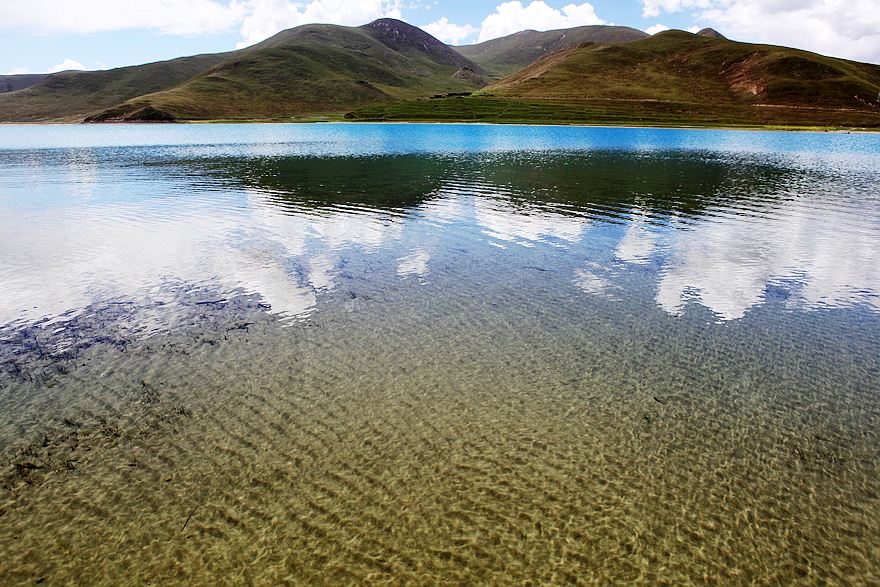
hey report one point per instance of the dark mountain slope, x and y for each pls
(13, 83)
(505, 55)
(711, 33)
(407, 39)
(312, 69)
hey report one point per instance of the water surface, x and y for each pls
(351, 353)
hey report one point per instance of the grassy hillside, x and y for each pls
(671, 78)
(313, 69)
(506, 55)
(12, 83)
(679, 66)
(74, 94)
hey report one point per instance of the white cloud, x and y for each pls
(67, 65)
(842, 28)
(174, 17)
(651, 8)
(657, 28)
(448, 32)
(512, 17)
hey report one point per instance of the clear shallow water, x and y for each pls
(424, 352)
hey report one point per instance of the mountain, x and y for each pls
(312, 70)
(390, 70)
(71, 95)
(681, 67)
(506, 55)
(12, 83)
(673, 77)
(711, 33)
(407, 39)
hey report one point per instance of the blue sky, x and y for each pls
(47, 35)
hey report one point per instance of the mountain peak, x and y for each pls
(709, 32)
(389, 23)
(398, 34)
(401, 36)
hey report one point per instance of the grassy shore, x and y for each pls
(490, 109)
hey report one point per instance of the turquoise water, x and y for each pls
(419, 352)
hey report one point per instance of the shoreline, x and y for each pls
(760, 128)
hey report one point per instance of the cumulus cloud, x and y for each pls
(652, 8)
(448, 32)
(174, 17)
(657, 28)
(512, 17)
(67, 65)
(842, 28)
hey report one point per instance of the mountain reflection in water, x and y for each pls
(714, 228)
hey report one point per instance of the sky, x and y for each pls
(53, 35)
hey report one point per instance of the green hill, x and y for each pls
(673, 77)
(679, 66)
(506, 55)
(313, 70)
(71, 95)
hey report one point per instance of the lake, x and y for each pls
(438, 353)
